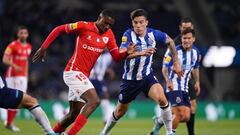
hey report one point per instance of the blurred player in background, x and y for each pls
(100, 69)
(185, 23)
(92, 39)
(16, 58)
(14, 99)
(138, 73)
(177, 88)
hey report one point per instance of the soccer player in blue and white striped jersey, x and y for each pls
(177, 87)
(138, 73)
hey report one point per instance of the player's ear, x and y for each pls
(146, 22)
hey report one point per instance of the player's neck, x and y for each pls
(143, 34)
(22, 41)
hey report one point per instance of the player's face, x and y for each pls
(186, 25)
(140, 25)
(23, 34)
(104, 23)
(187, 41)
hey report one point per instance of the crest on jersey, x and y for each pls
(105, 39)
(124, 39)
(72, 26)
(150, 41)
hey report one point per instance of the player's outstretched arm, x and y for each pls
(41, 52)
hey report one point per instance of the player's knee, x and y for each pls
(181, 116)
(184, 117)
(94, 103)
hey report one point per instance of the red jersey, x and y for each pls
(19, 54)
(89, 45)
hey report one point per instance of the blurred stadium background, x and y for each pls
(217, 24)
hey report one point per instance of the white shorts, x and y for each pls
(19, 82)
(77, 83)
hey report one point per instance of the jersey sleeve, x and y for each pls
(126, 39)
(75, 27)
(167, 60)
(113, 48)
(160, 36)
(9, 50)
(197, 63)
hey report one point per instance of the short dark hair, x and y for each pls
(21, 27)
(138, 12)
(107, 12)
(186, 20)
(186, 31)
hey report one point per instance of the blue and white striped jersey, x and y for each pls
(140, 67)
(1, 83)
(189, 60)
(100, 67)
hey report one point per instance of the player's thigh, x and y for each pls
(183, 112)
(156, 93)
(78, 84)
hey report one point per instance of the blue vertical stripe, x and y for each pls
(127, 65)
(135, 69)
(192, 62)
(147, 62)
(186, 80)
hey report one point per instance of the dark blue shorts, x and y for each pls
(99, 86)
(10, 98)
(129, 89)
(178, 98)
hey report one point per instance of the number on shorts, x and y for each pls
(81, 77)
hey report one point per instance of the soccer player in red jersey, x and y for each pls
(16, 57)
(92, 39)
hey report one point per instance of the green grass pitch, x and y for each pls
(133, 127)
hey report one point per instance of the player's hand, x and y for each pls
(40, 54)
(170, 85)
(197, 88)
(177, 69)
(131, 48)
(148, 51)
(17, 68)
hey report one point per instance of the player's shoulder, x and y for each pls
(128, 31)
(195, 48)
(13, 44)
(179, 47)
(155, 31)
